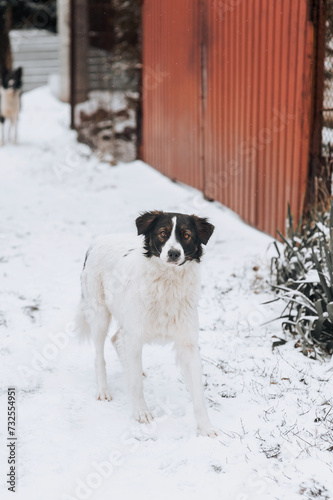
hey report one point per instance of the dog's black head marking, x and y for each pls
(175, 238)
(11, 78)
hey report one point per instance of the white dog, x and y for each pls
(151, 287)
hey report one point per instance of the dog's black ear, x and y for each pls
(144, 222)
(205, 229)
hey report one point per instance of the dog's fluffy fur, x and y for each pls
(10, 102)
(150, 285)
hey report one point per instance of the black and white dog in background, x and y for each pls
(10, 103)
(150, 285)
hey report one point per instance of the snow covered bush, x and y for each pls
(303, 277)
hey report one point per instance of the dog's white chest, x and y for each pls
(170, 303)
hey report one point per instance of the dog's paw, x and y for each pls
(209, 431)
(104, 395)
(143, 415)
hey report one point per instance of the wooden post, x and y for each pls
(315, 177)
(63, 9)
(78, 54)
(5, 25)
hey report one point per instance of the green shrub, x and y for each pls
(303, 278)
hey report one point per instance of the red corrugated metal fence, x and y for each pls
(172, 123)
(227, 96)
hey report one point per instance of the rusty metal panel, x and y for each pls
(246, 142)
(172, 107)
(258, 107)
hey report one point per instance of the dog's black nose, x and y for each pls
(173, 254)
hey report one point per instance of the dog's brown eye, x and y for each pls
(163, 234)
(186, 236)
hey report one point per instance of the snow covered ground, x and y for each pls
(273, 409)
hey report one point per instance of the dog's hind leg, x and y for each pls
(99, 330)
(116, 344)
(114, 341)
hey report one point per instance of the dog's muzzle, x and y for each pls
(173, 255)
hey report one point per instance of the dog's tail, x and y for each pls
(82, 313)
(81, 323)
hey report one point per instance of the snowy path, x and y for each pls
(271, 407)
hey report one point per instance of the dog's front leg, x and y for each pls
(188, 357)
(9, 131)
(130, 355)
(135, 381)
(14, 126)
